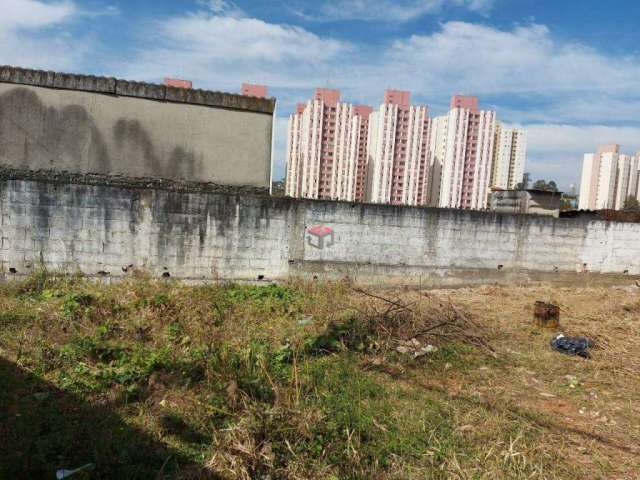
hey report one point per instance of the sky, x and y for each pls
(568, 71)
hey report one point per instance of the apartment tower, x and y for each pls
(326, 156)
(510, 154)
(397, 155)
(462, 151)
(599, 178)
(398, 151)
(609, 178)
(360, 138)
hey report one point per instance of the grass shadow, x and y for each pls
(43, 429)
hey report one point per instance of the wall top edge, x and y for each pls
(128, 88)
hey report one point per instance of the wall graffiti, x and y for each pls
(321, 237)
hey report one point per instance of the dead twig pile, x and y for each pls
(428, 319)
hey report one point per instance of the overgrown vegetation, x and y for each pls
(155, 379)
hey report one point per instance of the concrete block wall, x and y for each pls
(111, 230)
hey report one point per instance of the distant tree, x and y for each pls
(631, 204)
(526, 179)
(540, 185)
(544, 185)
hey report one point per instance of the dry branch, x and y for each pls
(394, 320)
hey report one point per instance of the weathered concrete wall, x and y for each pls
(51, 121)
(103, 230)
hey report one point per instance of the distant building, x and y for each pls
(510, 155)
(397, 155)
(608, 179)
(360, 138)
(398, 151)
(533, 202)
(462, 153)
(326, 148)
(177, 83)
(251, 90)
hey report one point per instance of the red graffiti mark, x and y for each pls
(320, 231)
(321, 236)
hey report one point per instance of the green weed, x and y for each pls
(261, 293)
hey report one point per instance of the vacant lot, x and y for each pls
(150, 379)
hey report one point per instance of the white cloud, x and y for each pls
(32, 35)
(32, 14)
(390, 10)
(248, 39)
(222, 7)
(485, 60)
(222, 51)
(525, 61)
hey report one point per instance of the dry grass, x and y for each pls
(152, 379)
(589, 408)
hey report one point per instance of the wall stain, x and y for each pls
(135, 141)
(133, 138)
(40, 137)
(44, 137)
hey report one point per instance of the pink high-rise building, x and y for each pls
(324, 150)
(360, 132)
(465, 102)
(398, 151)
(398, 155)
(462, 151)
(251, 90)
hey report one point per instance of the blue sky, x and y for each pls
(568, 71)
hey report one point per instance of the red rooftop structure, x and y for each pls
(177, 83)
(251, 90)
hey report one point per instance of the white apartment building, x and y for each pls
(509, 157)
(324, 148)
(634, 176)
(437, 152)
(608, 178)
(397, 151)
(623, 174)
(461, 153)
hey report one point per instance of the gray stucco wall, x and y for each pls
(100, 125)
(103, 230)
